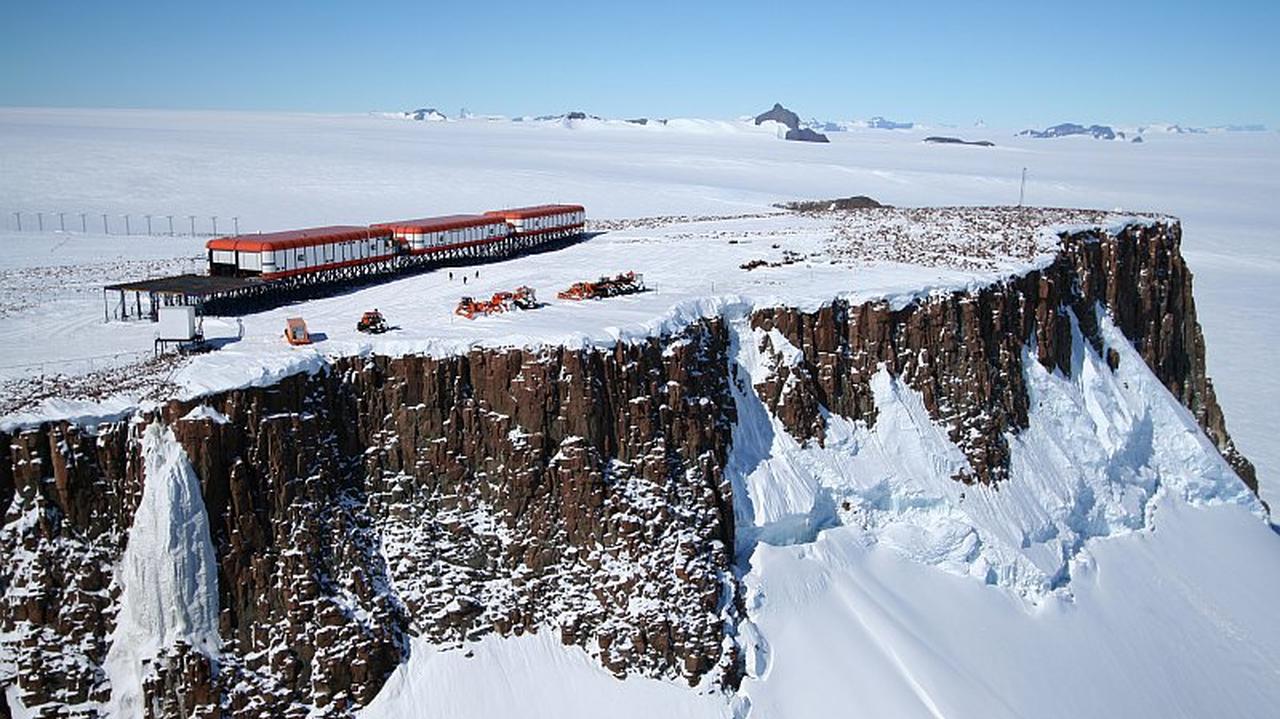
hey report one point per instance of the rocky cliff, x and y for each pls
(574, 491)
(963, 351)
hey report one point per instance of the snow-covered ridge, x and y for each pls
(698, 267)
(283, 170)
(876, 122)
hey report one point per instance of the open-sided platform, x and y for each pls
(189, 289)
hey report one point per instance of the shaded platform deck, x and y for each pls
(199, 291)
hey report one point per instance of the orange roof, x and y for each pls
(519, 213)
(437, 224)
(289, 239)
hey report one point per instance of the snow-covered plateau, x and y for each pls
(946, 458)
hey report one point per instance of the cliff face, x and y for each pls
(963, 351)
(580, 492)
(72, 495)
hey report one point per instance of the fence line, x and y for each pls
(127, 224)
(88, 361)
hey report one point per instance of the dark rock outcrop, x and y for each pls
(575, 491)
(853, 202)
(571, 115)
(426, 113)
(792, 121)
(1067, 129)
(963, 351)
(943, 140)
(184, 683)
(804, 134)
(74, 494)
(779, 114)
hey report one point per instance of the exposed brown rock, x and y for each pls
(74, 493)
(6, 476)
(963, 351)
(498, 491)
(183, 684)
(1147, 287)
(598, 468)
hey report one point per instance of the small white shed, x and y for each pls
(177, 323)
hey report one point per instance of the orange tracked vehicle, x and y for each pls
(522, 298)
(627, 283)
(373, 323)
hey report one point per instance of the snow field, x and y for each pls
(530, 676)
(1165, 623)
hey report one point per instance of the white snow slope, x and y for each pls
(1079, 626)
(1122, 570)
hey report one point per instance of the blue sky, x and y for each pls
(1010, 64)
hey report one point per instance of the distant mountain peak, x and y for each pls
(880, 123)
(780, 114)
(791, 120)
(1067, 129)
(429, 114)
